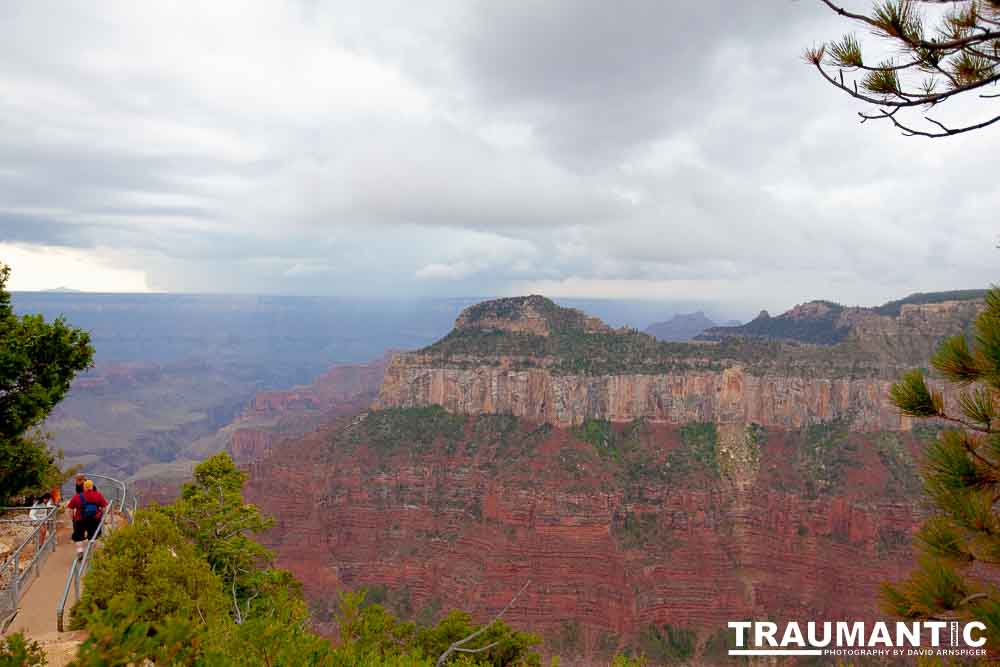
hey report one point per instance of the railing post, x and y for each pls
(15, 574)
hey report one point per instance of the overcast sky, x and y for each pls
(661, 149)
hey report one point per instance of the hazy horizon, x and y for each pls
(577, 149)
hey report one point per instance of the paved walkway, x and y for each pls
(36, 615)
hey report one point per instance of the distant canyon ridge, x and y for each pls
(529, 358)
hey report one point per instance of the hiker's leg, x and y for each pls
(90, 525)
(79, 535)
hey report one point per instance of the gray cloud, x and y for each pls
(35, 230)
(587, 148)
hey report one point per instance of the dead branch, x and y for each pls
(457, 646)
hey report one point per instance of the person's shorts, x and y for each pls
(85, 529)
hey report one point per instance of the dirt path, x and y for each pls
(36, 614)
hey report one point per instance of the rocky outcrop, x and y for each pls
(251, 444)
(911, 335)
(340, 383)
(785, 385)
(533, 315)
(904, 331)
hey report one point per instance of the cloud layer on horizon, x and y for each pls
(575, 147)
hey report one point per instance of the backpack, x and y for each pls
(88, 510)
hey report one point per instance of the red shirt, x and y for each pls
(94, 497)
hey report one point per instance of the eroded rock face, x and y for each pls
(251, 444)
(731, 396)
(275, 415)
(340, 383)
(612, 547)
(912, 335)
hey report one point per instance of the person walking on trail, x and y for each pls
(77, 525)
(40, 512)
(88, 507)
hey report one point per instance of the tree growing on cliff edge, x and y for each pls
(211, 513)
(38, 359)
(960, 544)
(956, 54)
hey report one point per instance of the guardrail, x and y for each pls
(13, 576)
(127, 506)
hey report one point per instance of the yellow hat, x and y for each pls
(88, 485)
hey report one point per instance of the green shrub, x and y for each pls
(151, 560)
(825, 451)
(16, 651)
(666, 645)
(389, 430)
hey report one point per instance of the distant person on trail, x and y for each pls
(77, 527)
(40, 511)
(88, 507)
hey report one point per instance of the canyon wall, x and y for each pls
(277, 415)
(462, 518)
(728, 396)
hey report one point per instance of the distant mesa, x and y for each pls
(62, 290)
(531, 358)
(827, 323)
(681, 327)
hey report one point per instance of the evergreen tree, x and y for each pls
(150, 560)
(960, 544)
(211, 513)
(955, 53)
(38, 360)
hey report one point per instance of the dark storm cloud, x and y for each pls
(34, 230)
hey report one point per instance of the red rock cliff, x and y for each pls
(755, 525)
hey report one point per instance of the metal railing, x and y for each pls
(14, 575)
(126, 507)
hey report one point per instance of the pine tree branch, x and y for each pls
(907, 99)
(952, 44)
(964, 424)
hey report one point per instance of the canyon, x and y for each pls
(649, 491)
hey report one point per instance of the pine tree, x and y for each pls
(959, 545)
(956, 53)
(38, 359)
